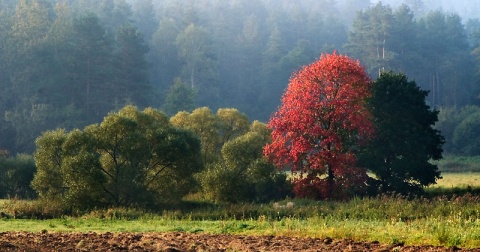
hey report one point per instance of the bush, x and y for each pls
(16, 173)
(458, 126)
(34, 209)
(244, 175)
(466, 136)
(224, 184)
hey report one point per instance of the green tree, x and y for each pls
(111, 13)
(26, 61)
(114, 14)
(16, 173)
(203, 123)
(232, 123)
(90, 69)
(166, 65)
(132, 84)
(368, 38)
(448, 120)
(180, 97)
(350, 7)
(47, 181)
(145, 18)
(446, 68)
(466, 136)
(200, 66)
(405, 141)
(417, 6)
(243, 174)
(403, 34)
(193, 49)
(132, 158)
(55, 84)
(214, 130)
(248, 42)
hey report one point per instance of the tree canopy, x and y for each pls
(405, 141)
(132, 158)
(322, 119)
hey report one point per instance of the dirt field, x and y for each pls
(23, 241)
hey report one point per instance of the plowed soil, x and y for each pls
(45, 241)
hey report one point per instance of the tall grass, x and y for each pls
(395, 219)
(448, 215)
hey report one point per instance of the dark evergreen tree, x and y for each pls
(368, 38)
(27, 57)
(165, 64)
(132, 79)
(180, 97)
(402, 42)
(91, 71)
(16, 174)
(199, 63)
(445, 68)
(145, 18)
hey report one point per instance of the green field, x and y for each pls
(450, 180)
(388, 219)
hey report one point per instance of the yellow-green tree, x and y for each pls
(132, 158)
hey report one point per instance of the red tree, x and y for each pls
(320, 123)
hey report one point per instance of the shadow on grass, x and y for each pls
(451, 192)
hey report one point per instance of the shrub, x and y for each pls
(16, 173)
(244, 174)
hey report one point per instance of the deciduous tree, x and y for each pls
(132, 158)
(203, 123)
(243, 173)
(319, 125)
(405, 140)
(180, 97)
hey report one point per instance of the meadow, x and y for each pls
(387, 219)
(448, 215)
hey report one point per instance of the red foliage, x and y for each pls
(322, 120)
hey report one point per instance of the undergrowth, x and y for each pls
(383, 207)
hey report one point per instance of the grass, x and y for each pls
(452, 220)
(450, 231)
(459, 164)
(387, 219)
(451, 180)
(456, 184)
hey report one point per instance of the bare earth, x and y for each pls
(171, 242)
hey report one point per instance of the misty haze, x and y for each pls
(66, 64)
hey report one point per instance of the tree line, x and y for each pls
(334, 125)
(145, 159)
(66, 64)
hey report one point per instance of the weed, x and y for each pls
(442, 234)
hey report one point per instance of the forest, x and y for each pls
(66, 64)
